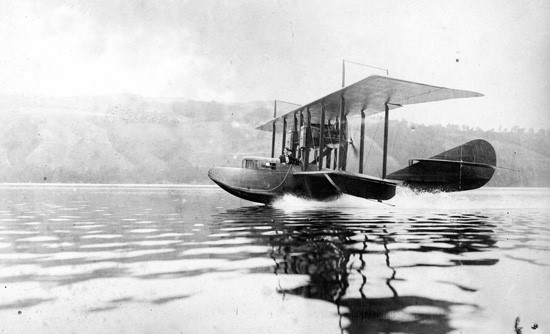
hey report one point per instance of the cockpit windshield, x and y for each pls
(259, 164)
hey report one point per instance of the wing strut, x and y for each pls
(385, 153)
(362, 142)
(305, 155)
(322, 136)
(274, 130)
(342, 135)
(294, 134)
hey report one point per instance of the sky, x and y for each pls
(240, 51)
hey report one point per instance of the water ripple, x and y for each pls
(383, 269)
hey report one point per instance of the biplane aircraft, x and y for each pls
(317, 135)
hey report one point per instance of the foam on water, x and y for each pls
(486, 198)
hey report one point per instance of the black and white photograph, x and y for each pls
(275, 166)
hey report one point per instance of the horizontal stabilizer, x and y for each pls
(465, 167)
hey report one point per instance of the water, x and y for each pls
(134, 259)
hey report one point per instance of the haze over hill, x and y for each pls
(130, 139)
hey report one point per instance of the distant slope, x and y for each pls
(129, 139)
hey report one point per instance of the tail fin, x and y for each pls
(465, 167)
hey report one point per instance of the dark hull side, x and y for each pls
(359, 185)
(261, 186)
(248, 195)
(265, 186)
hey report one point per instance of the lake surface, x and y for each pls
(146, 259)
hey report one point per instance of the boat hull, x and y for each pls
(261, 186)
(265, 186)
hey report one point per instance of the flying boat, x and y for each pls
(316, 138)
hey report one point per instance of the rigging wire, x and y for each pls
(393, 141)
(372, 141)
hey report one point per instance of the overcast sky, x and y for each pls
(242, 51)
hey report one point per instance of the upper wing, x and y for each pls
(370, 95)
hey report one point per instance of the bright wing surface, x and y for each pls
(370, 95)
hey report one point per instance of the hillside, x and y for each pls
(128, 139)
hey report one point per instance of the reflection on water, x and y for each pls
(112, 250)
(346, 257)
